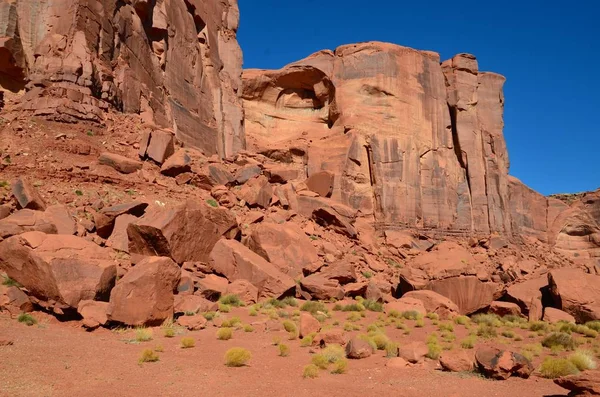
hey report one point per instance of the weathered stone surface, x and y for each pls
(286, 246)
(93, 313)
(176, 164)
(60, 216)
(553, 315)
(27, 196)
(576, 292)
(434, 303)
(583, 384)
(328, 217)
(144, 296)
(120, 163)
(160, 146)
(246, 173)
(185, 233)
(211, 287)
(413, 352)
(193, 304)
(58, 268)
(235, 261)
(504, 308)
(105, 219)
(257, 192)
(321, 183)
(118, 238)
(406, 305)
(330, 336)
(321, 287)
(26, 221)
(247, 292)
(176, 63)
(500, 364)
(15, 301)
(528, 295)
(357, 348)
(192, 323)
(308, 324)
(457, 361)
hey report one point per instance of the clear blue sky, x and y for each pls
(549, 52)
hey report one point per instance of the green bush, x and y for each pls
(148, 356)
(284, 350)
(231, 323)
(508, 334)
(340, 367)
(353, 307)
(223, 308)
(559, 339)
(583, 360)
(209, 315)
(224, 333)
(491, 320)
(320, 361)
(372, 305)
(27, 319)
(461, 320)
(434, 350)
(412, 315)
(391, 349)
(187, 343)
(538, 326)
(313, 307)
(237, 357)
(380, 340)
(556, 367)
(334, 353)
(143, 334)
(310, 371)
(486, 331)
(231, 300)
(595, 325)
(212, 203)
(469, 342)
(433, 316)
(446, 327)
(420, 323)
(290, 326)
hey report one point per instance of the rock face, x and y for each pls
(422, 165)
(144, 296)
(576, 293)
(584, 384)
(60, 270)
(175, 62)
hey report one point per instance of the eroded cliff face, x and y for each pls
(412, 142)
(175, 62)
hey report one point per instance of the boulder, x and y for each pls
(224, 196)
(193, 304)
(144, 296)
(192, 323)
(185, 233)
(329, 218)
(576, 293)
(406, 304)
(282, 173)
(27, 195)
(176, 164)
(553, 315)
(357, 348)
(247, 292)
(584, 384)
(504, 308)
(322, 288)
(218, 174)
(456, 361)
(397, 363)
(308, 324)
(58, 269)
(321, 183)
(434, 303)
(344, 272)
(93, 313)
(60, 216)
(186, 283)
(211, 287)
(528, 295)
(26, 221)
(235, 261)
(105, 219)
(502, 364)
(246, 173)
(13, 300)
(413, 352)
(160, 146)
(5, 211)
(120, 163)
(118, 239)
(330, 336)
(284, 245)
(257, 192)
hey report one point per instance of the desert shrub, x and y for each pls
(337, 307)
(231, 300)
(320, 361)
(368, 339)
(224, 333)
(353, 307)
(534, 348)
(491, 320)
(367, 274)
(148, 356)
(556, 367)
(419, 323)
(513, 319)
(433, 316)
(354, 317)
(401, 325)
(253, 311)
(351, 327)
(284, 350)
(9, 282)
(394, 314)
(380, 340)
(434, 350)
(595, 325)
(308, 340)
(559, 339)
(448, 336)
(373, 305)
(334, 353)
(461, 320)
(212, 203)
(313, 307)
(224, 308)
(169, 332)
(310, 371)
(469, 342)
(583, 360)
(508, 334)
(248, 328)
(446, 327)
(209, 315)
(536, 326)
(586, 331)
(564, 326)
(391, 349)
(411, 315)
(290, 326)
(27, 319)
(486, 331)
(187, 343)
(340, 367)
(232, 322)
(237, 357)
(143, 334)
(159, 348)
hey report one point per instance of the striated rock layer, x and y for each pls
(175, 62)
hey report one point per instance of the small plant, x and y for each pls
(446, 327)
(4, 184)
(313, 307)
(248, 328)
(212, 202)
(78, 193)
(420, 323)
(367, 274)
(224, 333)
(231, 300)
(486, 331)
(433, 350)
(491, 320)
(368, 339)
(27, 319)
(253, 312)
(148, 356)
(231, 323)
(313, 237)
(583, 360)
(433, 316)
(391, 349)
(559, 339)
(532, 350)
(9, 282)
(237, 357)
(159, 348)
(209, 315)
(320, 361)
(290, 326)
(169, 332)
(143, 334)
(351, 327)
(469, 342)
(411, 315)
(308, 340)
(354, 317)
(536, 326)
(394, 314)
(595, 325)
(333, 353)
(461, 320)
(187, 343)
(90, 133)
(373, 305)
(556, 367)
(340, 367)
(508, 334)
(276, 341)
(310, 371)
(190, 313)
(223, 308)
(353, 307)
(284, 350)
(130, 192)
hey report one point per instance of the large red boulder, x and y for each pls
(321, 287)
(144, 296)
(235, 261)
(502, 364)
(528, 295)
(576, 292)
(286, 246)
(13, 300)
(185, 233)
(584, 384)
(435, 303)
(27, 195)
(58, 269)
